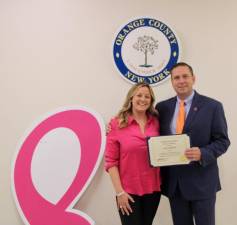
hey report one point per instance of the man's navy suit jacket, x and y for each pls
(207, 128)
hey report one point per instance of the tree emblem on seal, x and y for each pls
(146, 44)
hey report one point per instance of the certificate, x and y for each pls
(168, 150)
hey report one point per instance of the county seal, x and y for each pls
(145, 50)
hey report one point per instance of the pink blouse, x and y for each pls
(126, 148)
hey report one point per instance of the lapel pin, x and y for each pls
(195, 109)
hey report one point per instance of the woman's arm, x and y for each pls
(122, 197)
(114, 175)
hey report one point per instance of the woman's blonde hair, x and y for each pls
(127, 106)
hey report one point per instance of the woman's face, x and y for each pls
(141, 100)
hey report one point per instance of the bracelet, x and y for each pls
(120, 193)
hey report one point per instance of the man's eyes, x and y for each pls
(179, 77)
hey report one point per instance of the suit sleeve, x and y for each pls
(219, 141)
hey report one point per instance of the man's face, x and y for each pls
(182, 81)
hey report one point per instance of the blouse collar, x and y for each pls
(131, 119)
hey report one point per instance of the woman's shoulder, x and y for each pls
(114, 122)
(154, 119)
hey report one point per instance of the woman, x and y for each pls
(136, 183)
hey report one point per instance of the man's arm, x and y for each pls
(219, 140)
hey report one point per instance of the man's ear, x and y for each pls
(194, 78)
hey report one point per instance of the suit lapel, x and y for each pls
(166, 112)
(195, 107)
(172, 108)
(169, 114)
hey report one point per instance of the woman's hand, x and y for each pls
(123, 203)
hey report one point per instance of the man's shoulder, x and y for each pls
(197, 96)
(165, 102)
(207, 99)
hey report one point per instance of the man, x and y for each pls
(192, 188)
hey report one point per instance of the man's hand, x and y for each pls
(193, 154)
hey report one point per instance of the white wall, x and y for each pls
(59, 53)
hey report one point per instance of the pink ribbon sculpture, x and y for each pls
(54, 165)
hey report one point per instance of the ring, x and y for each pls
(121, 207)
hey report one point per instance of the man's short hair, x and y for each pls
(181, 64)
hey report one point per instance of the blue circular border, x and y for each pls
(123, 68)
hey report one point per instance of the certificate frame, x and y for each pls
(168, 150)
